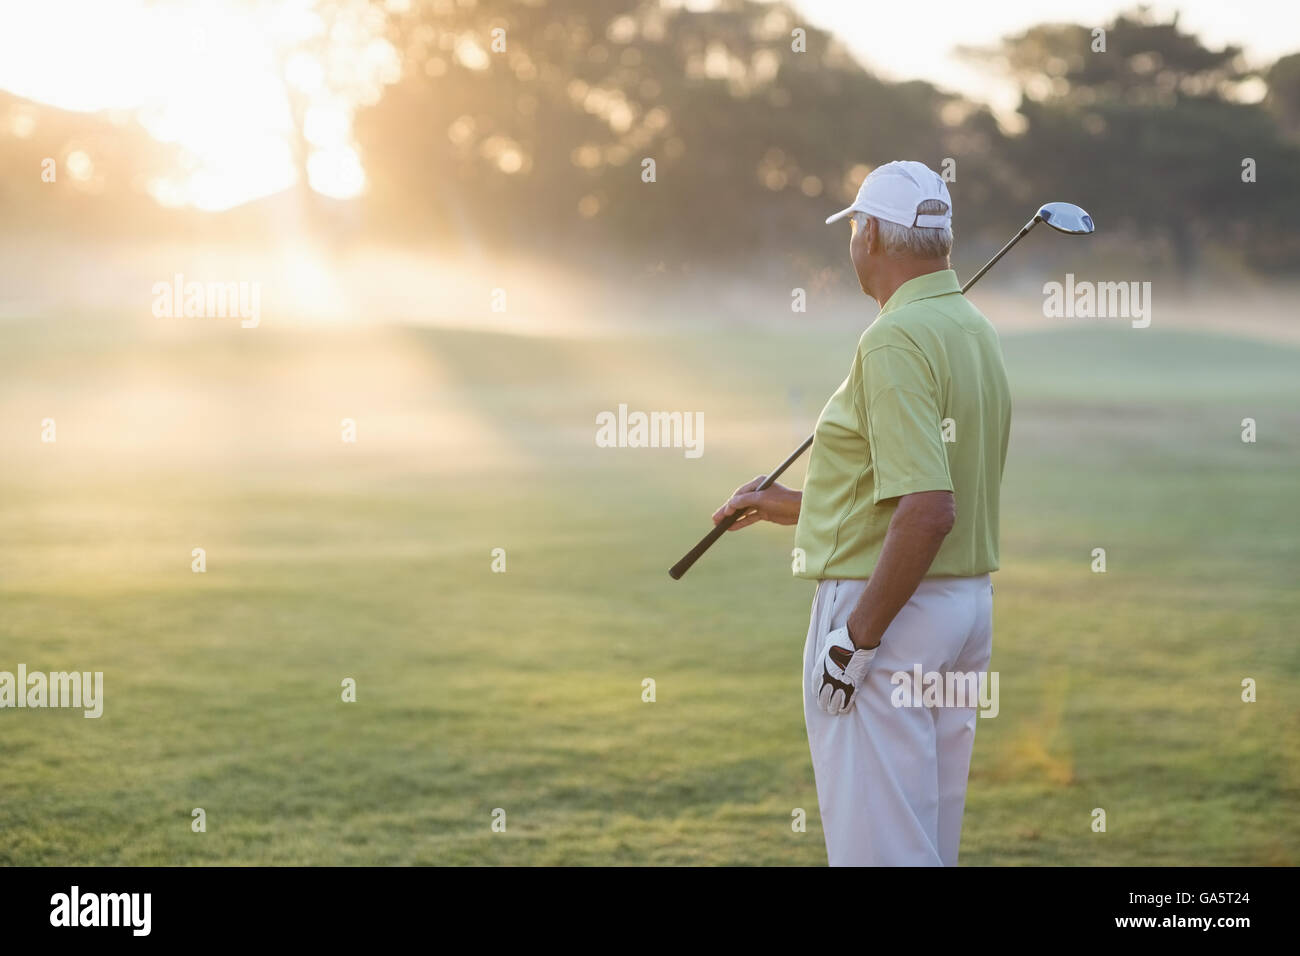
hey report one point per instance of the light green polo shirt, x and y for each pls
(925, 407)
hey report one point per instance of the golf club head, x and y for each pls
(1066, 217)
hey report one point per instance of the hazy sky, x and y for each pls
(915, 40)
(900, 40)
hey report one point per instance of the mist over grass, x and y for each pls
(522, 690)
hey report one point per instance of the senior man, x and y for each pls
(898, 523)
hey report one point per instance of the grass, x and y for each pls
(523, 690)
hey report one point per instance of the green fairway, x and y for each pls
(522, 690)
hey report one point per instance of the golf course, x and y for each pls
(515, 680)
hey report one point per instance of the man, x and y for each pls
(898, 522)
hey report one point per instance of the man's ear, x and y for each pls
(873, 235)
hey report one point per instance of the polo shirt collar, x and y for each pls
(943, 282)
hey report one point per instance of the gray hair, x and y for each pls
(922, 242)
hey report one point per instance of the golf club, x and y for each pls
(1062, 216)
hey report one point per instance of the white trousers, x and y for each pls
(891, 781)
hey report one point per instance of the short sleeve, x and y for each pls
(903, 421)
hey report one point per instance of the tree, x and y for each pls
(1151, 133)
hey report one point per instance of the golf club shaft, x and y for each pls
(1001, 252)
(693, 555)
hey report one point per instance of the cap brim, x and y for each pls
(839, 215)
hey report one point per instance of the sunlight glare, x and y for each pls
(215, 79)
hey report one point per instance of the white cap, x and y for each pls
(894, 191)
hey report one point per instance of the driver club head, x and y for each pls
(1066, 217)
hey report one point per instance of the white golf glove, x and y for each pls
(840, 672)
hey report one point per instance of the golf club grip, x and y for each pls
(693, 555)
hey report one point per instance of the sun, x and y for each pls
(247, 90)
